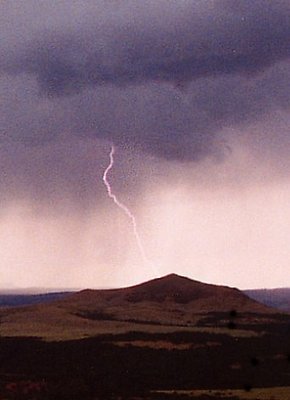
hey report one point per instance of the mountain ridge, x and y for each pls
(278, 298)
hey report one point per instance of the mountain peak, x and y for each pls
(174, 276)
(171, 278)
(172, 287)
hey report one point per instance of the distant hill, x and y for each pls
(16, 300)
(168, 291)
(278, 298)
(275, 298)
(166, 304)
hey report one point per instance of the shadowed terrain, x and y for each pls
(169, 338)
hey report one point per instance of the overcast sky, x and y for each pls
(193, 94)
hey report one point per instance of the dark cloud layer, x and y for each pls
(213, 38)
(165, 77)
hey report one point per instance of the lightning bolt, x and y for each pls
(123, 207)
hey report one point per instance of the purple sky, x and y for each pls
(194, 94)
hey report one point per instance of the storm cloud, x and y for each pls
(167, 77)
(194, 95)
(168, 41)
